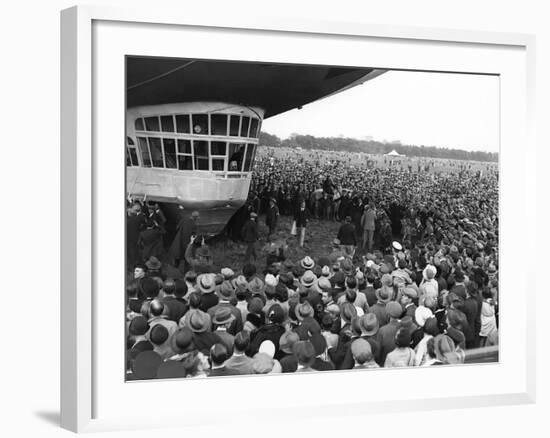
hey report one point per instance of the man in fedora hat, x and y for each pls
(207, 286)
(226, 295)
(222, 320)
(182, 343)
(203, 338)
(383, 296)
(365, 327)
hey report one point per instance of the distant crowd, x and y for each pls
(411, 279)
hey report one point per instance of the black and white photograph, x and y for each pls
(291, 218)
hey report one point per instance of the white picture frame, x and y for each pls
(94, 396)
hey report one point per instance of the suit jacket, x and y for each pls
(204, 341)
(250, 231)
(223, 371)
(386, 336)
(208, 301)
(301, 217)
(176, 309)
(242, 364)
(380, 311)
(346, 234)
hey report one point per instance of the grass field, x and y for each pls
(319, 235)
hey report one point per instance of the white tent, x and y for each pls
(393, 153)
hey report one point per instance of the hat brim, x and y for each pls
(383, 300)
(302, 317)
(372, 331)
(179, 350)
(229, 319)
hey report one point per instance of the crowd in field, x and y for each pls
(411, 279)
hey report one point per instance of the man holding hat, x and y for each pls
(203, 338)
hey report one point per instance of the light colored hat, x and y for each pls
(361, 350)
(307, 263)
(206, 283)
(308, 279)
(227, 273)
(267, 347)
(240, 282)
(324, 284)
(270, 280)
(397, 246)
(429, 272)
(410, 292)
(325, 272)
(421, 314)
(256, 286)
(304, 310)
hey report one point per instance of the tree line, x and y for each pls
(373, 147)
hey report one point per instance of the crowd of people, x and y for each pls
(411, 279)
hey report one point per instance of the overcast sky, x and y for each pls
(458, 111)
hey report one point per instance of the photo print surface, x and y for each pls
(287, 218)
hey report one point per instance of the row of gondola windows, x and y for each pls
(171, 153)
(202, 124)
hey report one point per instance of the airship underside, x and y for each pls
(192, 127)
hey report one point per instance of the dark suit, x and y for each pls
(204, 341)
(386, 336)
